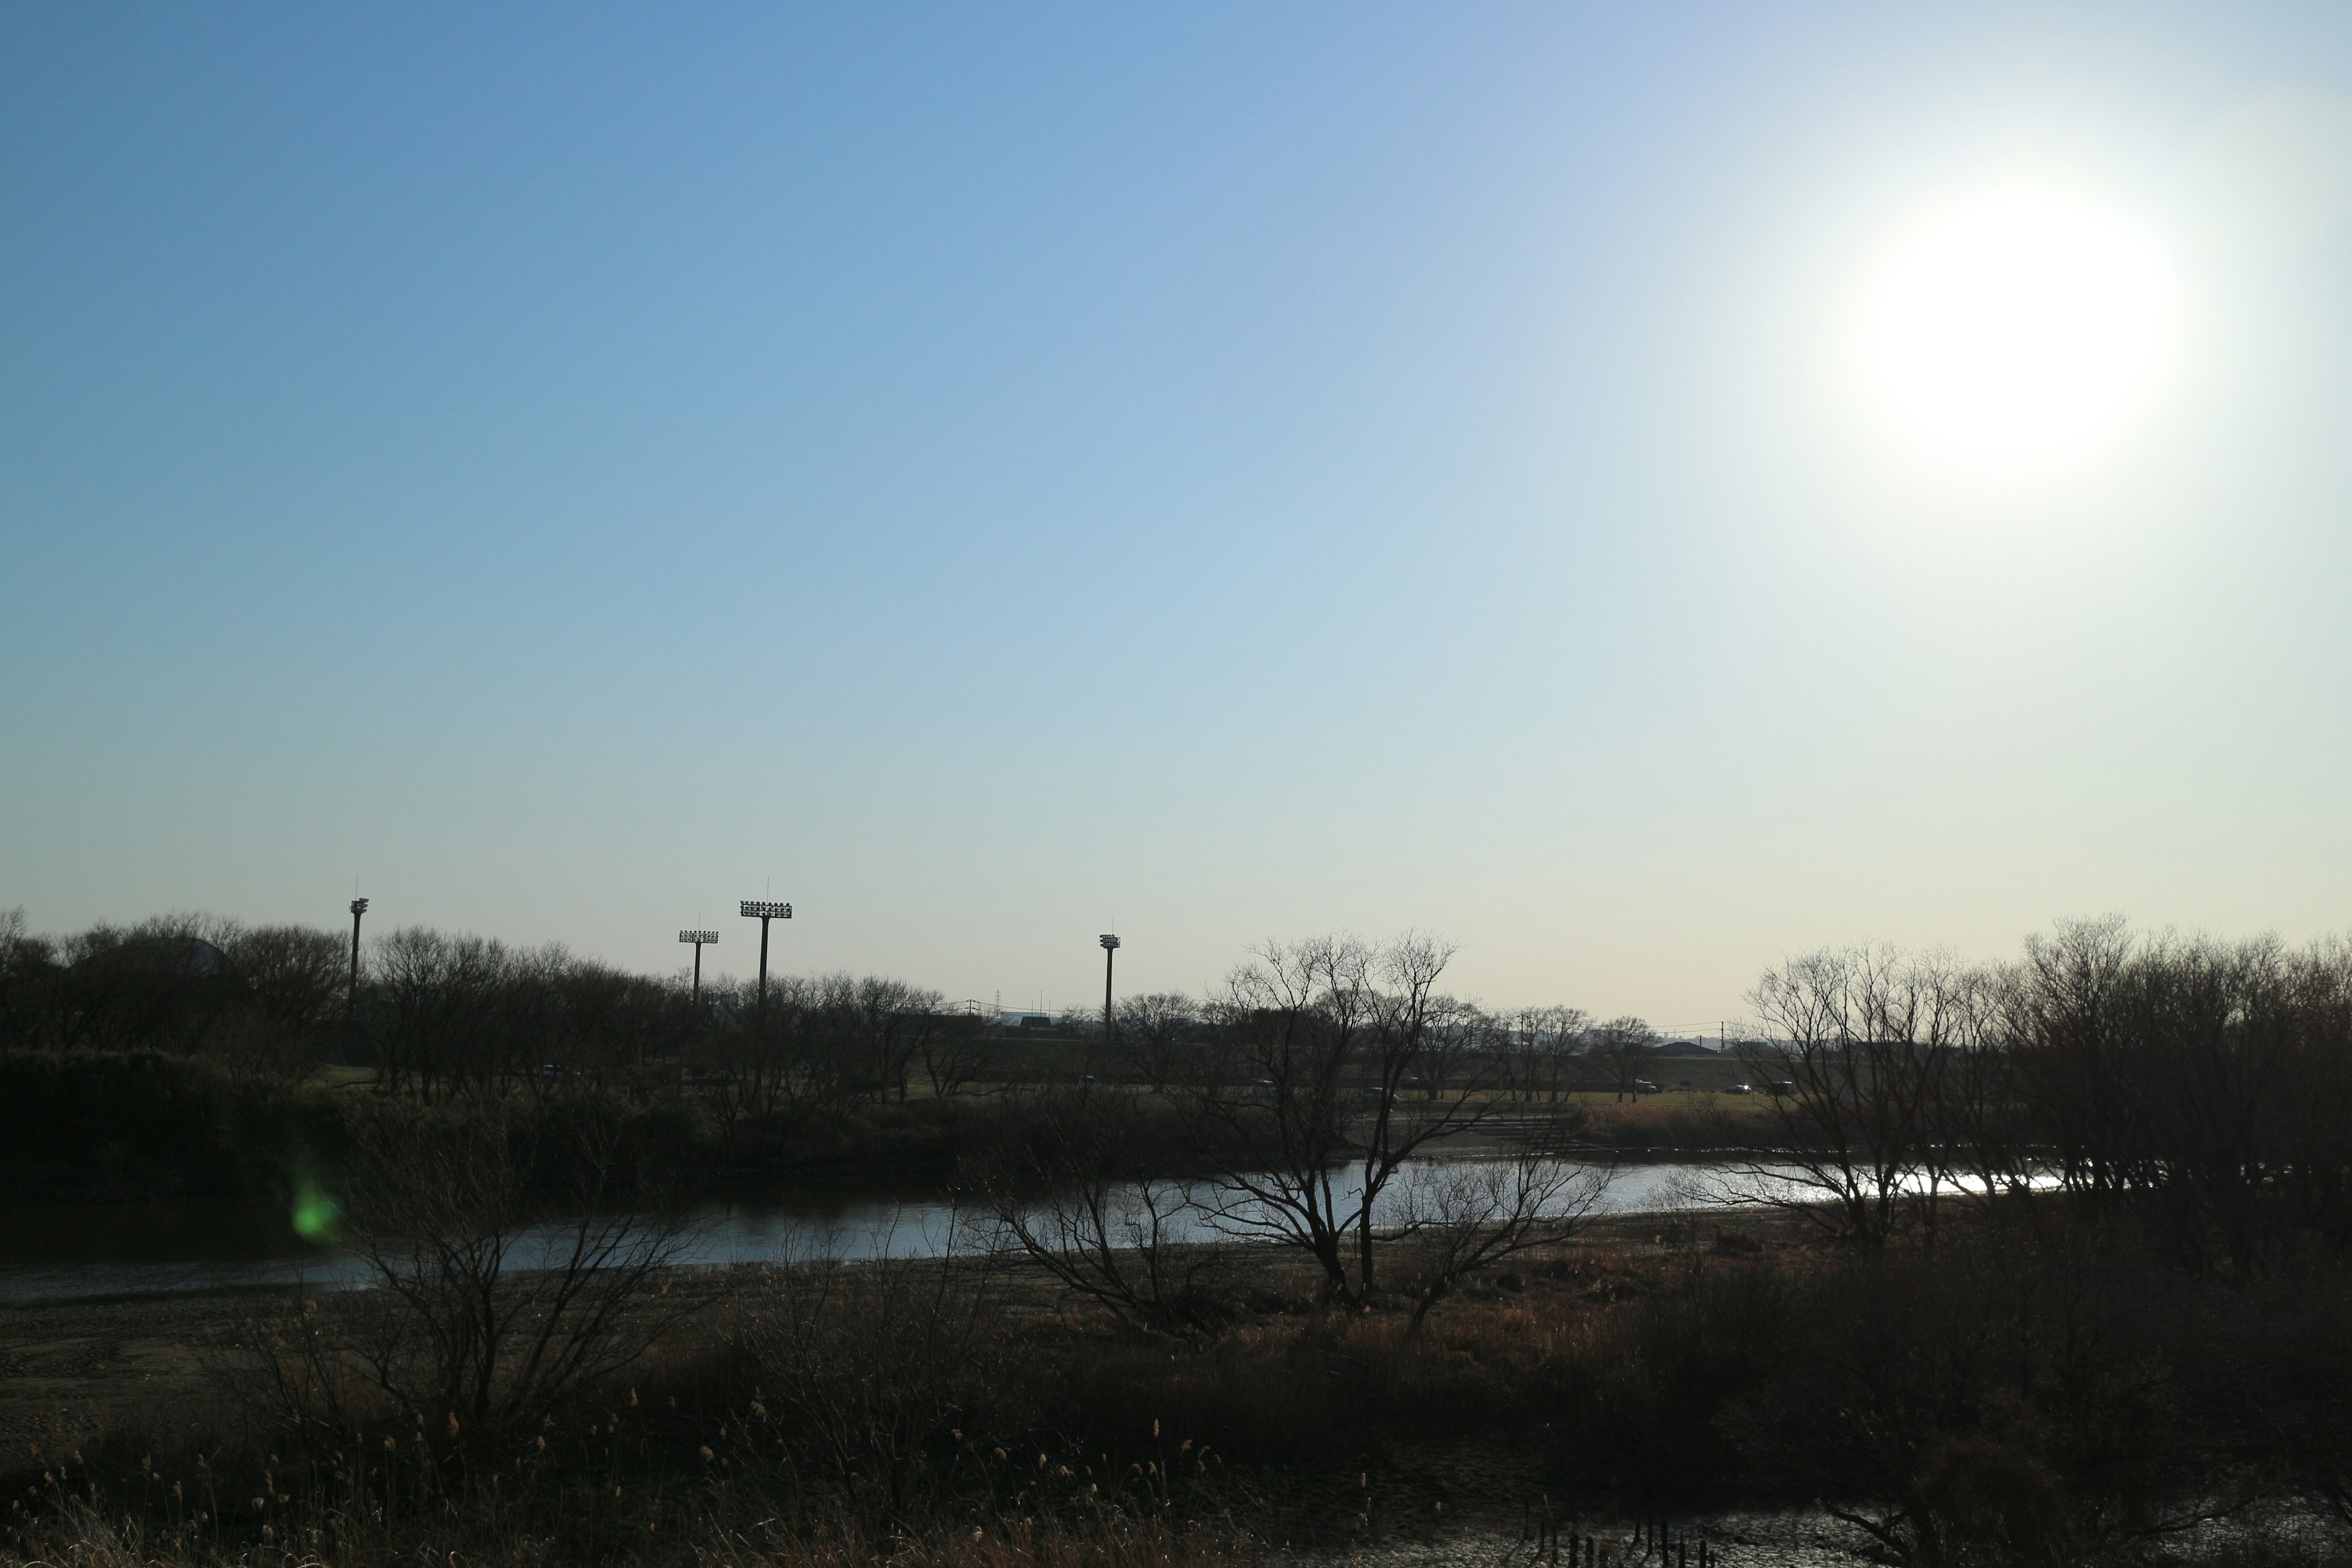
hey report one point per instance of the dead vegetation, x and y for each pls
(2022, 1394)
(1324, 1336)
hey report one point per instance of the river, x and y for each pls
(84, 1252)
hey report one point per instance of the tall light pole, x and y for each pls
(1110, 951)
(700, 938)
(352, 996)
(764, 912)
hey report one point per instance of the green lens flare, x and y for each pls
(315, 1213)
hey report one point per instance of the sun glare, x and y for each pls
(2016, 330)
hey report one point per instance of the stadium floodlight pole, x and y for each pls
(765, 911)
(352, 996)
(700, 939)
(1110, 950)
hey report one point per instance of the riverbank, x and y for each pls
(149, 1127)
(2039, 1373)
(95, 1252)
(71, 1370)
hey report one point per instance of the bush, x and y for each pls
(129, 1125)
(149, 1126)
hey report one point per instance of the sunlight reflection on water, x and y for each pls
(78, 1253)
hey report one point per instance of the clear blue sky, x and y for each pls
(999, 474)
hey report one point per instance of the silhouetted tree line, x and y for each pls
(259, 997)
(1306, 1094)
(451, 1017)
(441, 1013)
(2091, 1290)
(2207, 1084)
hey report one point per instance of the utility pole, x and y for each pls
(1110, 951)
(764, 912)
(700, 938)
(352, 996)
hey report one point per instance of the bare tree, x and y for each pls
(1866, 1040)
(256, 999)
(864, 1368)
(1317, 1045)
(752, 1069)
(956, 1051)
(2067, 1041)
(1622, 1046)
(161, 985)
(1540, 1046)
(436, 1008)
(837, 1055)
(892, 1020)
(28, 968)
(1976, 1136)
(1158, 1036)
(267, 1006)
(2317, 1107)
(479, 1323)
(1465, 1215)
(1059, 1197)
(613, 1029)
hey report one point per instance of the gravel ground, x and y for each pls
(1810, 1538)
(68, 1371)
(1734, 1540)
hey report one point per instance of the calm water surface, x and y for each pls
(83, 1252)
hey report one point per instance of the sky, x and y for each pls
(994, 475)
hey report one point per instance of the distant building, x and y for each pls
(1684, 1048)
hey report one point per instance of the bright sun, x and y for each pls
(2013, 330)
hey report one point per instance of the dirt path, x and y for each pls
(71, 1370)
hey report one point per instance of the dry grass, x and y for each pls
(867, 1413)
(85, 1536)
(1689, 1122)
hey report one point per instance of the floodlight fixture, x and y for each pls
(763, 911)
(700, 939)
(1110, 951)
(352, 996)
